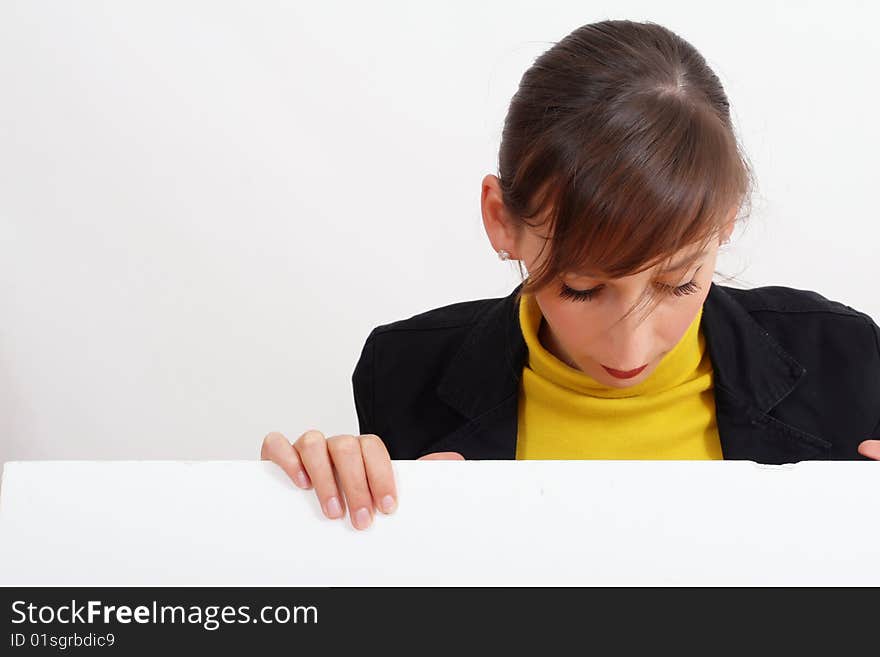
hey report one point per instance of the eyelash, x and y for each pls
(585, 295)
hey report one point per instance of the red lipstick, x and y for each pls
(625, 375)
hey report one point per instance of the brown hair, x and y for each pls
(621, 133)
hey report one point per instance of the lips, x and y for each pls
(625, 375)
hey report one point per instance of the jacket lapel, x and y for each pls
(752, 374)
(482, 383)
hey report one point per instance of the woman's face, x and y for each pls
(582, 332)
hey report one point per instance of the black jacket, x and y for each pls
(796, 376)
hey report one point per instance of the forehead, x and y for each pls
(682, 260)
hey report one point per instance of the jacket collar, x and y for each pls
(752, 374)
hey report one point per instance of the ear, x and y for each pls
(500, 227)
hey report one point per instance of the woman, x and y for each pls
(620, 176)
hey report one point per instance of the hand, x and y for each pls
(444, 456)
(362, 463)
(870, 448)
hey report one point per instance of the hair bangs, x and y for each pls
(641, 199)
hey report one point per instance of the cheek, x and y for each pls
(567, 319)
(673, 326)
(678, 317)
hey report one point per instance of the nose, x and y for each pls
(630, 343)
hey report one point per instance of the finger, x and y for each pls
(442, 456)
(870, 448)
(277, 448)
(380, 475)
(345, 451)
(312, 450)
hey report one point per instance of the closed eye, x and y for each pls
(586, 295)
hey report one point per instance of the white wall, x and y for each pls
(206, 206)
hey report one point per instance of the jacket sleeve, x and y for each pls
(362, 380)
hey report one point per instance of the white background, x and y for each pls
(205, 207)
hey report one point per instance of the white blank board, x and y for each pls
(505, 523)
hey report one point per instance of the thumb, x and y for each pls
(870, 448)
(448, 456)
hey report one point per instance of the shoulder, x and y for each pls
(422, 340)
(780, 298)
(837, 344)
(448, 323)
(789, 309)
(451, 316)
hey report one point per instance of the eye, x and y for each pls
(585, 295)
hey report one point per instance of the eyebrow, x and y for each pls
(676, 266)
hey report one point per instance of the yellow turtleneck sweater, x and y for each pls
(566, 414)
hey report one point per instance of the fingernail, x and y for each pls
(302, 479)
(362, 518)
(333, 507)
(387, 503)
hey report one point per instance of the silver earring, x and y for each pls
(503, 255)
